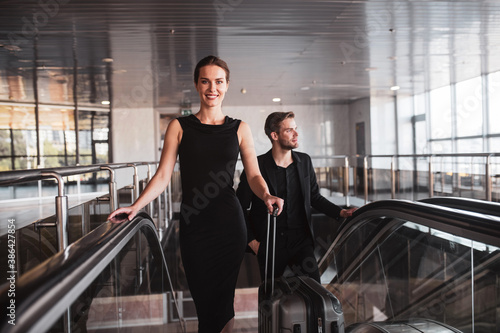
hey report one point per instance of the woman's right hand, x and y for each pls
(272, 202)
(117, 215)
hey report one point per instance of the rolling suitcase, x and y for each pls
(296, 304)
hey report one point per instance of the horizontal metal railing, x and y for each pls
(343, 174)
(481, 228)
(10, 178)
(365, 164)
(345, 164)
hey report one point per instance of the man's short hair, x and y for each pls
(274, 120)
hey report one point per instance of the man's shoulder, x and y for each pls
(300, 156)
(264, 156)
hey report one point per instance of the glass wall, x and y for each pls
(38, 99)
(469, 108)
(440, 113)
(18, 137)
(45, 136)
(494, 103)
(459, 118)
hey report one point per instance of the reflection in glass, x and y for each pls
(132, 294)
(93, 136)
(18, 144)
(416, 272)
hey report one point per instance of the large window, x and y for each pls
(18, 137)
(440, 113)
(419, 104)
(441, 147)
(468, 124)
(469, 107)
(93, 136)
(494, 103)
(39, 130)
(56, 149)
(470, 145)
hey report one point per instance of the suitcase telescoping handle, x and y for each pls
(274, 214)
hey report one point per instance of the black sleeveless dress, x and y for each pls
(212, 225)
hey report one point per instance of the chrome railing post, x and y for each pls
(113, 192)
(346, 180)
(136, 181)
(431, 178)
(160, 219)
(170, 211)
(443, 174)
(61, 210)
(393, 179)
(365, 176)
(487, 175)
(150, 209)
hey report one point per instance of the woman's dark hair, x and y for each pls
(274, 120)
(207, 61)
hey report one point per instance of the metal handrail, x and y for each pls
(478, 227)
(488, 156)
(9, 178)
(21, 176)
(46, 292)
(13, 177)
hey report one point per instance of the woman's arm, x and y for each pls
(255, 179)
(162, 176)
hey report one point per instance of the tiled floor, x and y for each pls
(245, 307)
(146, 314)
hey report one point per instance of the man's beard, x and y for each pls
(285, 145)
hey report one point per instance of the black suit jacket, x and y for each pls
(256, 217)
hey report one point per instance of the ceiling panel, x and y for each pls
(304, 52)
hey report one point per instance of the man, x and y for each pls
(289, 175)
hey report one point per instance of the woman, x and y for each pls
(212, 226)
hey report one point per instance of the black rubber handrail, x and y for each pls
(475, 226)
(472, 205)
(43, 294)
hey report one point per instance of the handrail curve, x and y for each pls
(43, 294)
(474, 226)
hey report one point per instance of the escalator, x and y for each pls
(396, 261)
(113, 279)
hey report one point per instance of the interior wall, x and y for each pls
(323, 129)
(383, 129)
(134, 120)
(359, 112)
